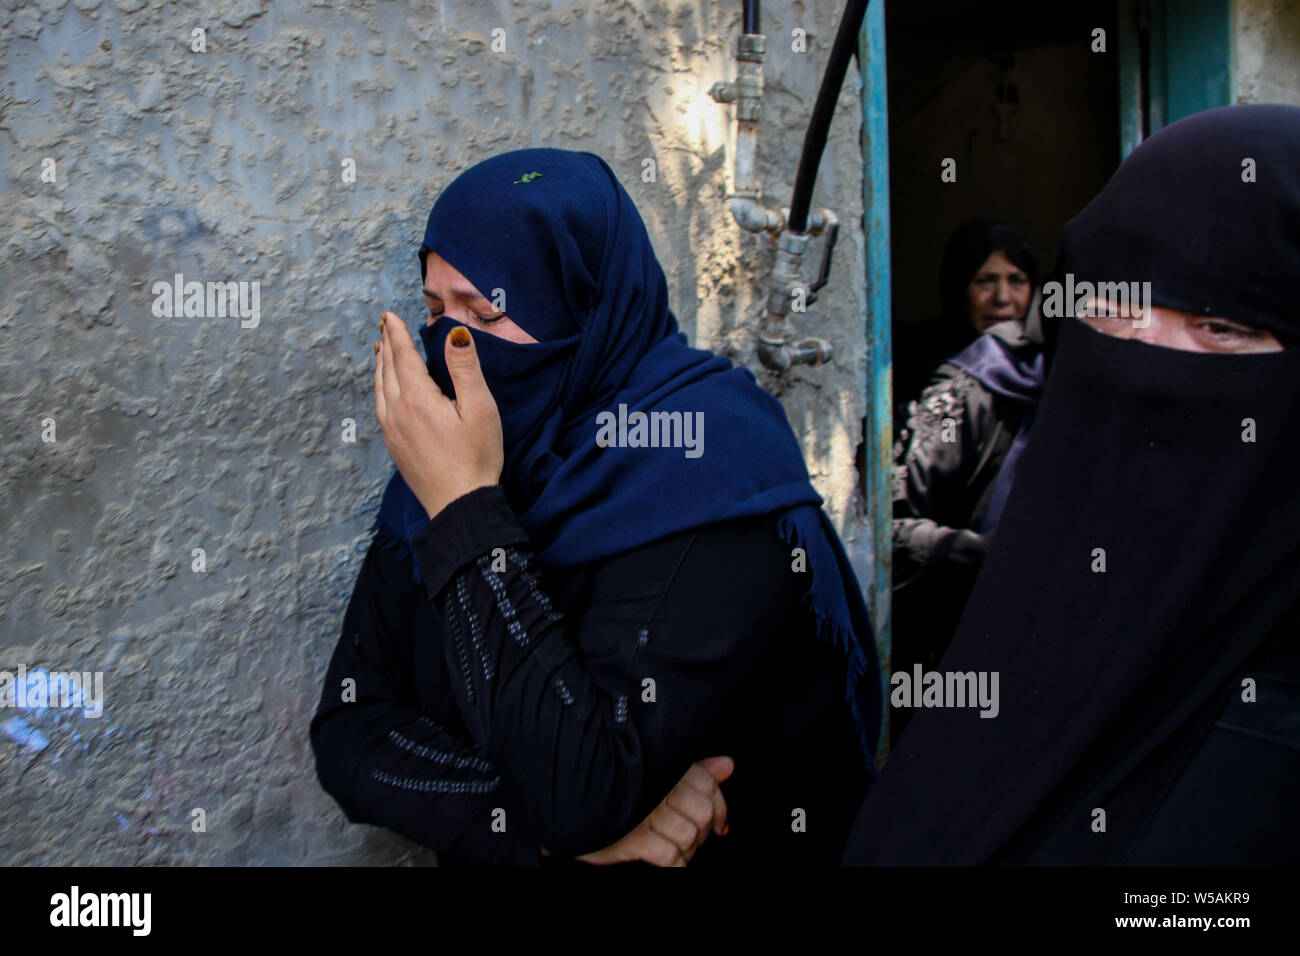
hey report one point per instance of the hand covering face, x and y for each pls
(557, 234)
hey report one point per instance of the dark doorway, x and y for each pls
(1013, 92)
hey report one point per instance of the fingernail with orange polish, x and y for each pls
(460, 336)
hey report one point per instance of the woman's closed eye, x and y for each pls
(482, 319)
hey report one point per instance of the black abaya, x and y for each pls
(1148, 559)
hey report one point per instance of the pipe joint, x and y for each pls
(723, 92)
(749, 90)
(783, 356)
(752, 215)
(819, 220)
(795, 245)
(751, 47)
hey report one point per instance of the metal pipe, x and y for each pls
(814, 141)
(772, 348)
(745, 201)
(747, 93)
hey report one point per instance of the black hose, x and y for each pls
(814, 140)
(751, 16)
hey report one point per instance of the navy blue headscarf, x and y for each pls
(555, 233)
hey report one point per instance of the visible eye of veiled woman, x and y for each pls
(484, 320)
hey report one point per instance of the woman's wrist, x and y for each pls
(434, 505)
(464, 529)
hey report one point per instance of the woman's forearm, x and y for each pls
(565, 735)
(388, 763)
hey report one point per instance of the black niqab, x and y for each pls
(1181, 470)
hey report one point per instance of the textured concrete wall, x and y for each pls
(129, 157)
(1266, 51)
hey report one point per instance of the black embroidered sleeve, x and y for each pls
(591, 711)
(557, 729)
(388, 763)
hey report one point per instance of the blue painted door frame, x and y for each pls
(879, 438)
(1175, 59)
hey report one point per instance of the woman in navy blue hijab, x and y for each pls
(600, 560)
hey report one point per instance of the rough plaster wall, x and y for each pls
(174, 434)
(1266, 51)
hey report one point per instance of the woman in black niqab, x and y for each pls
(1140, 601)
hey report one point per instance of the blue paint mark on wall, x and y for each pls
(16, 728)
